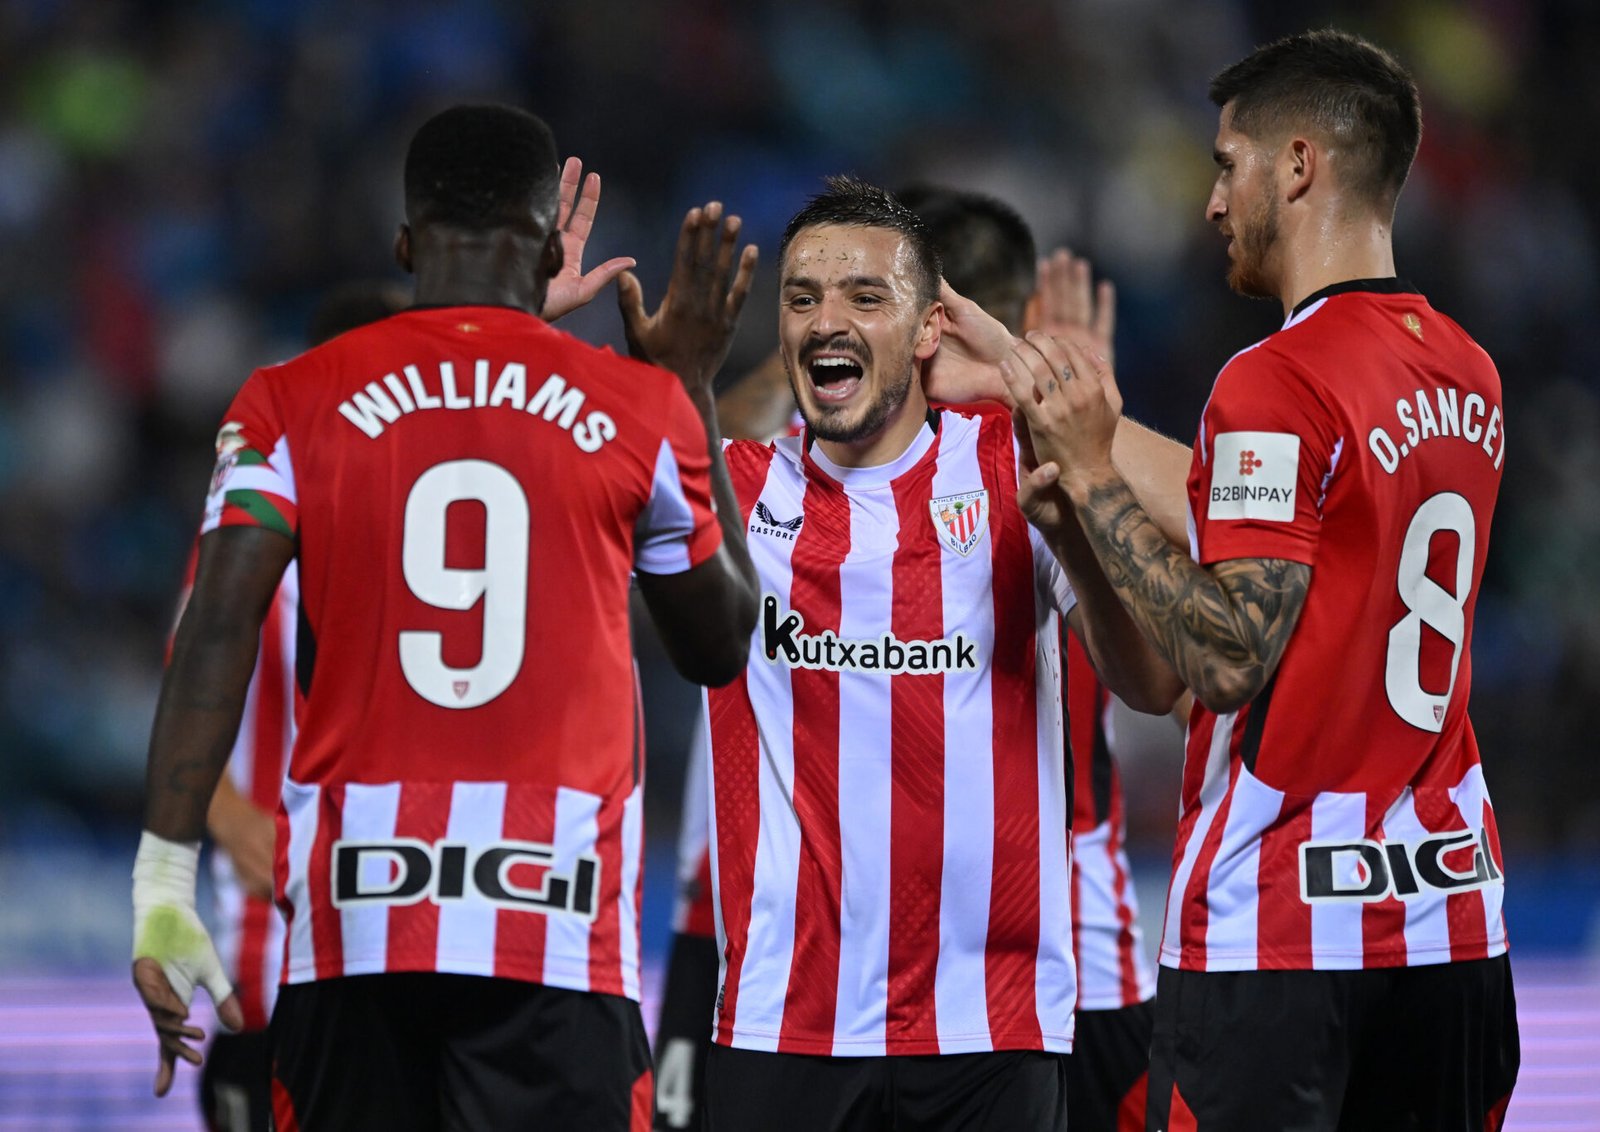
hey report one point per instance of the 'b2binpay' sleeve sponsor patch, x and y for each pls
(1253, 476)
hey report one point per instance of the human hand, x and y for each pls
(247, 833)
(1039, 495)
(1070, 401)
(972, 343)
(172, 953)
(1067, 303)
(570, 288)
(692, 329)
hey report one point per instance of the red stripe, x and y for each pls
(519, 937)
(605, 959)
(735, 772)
(283, 1117)
(249, 974)
(1464, 911)
(811, 999)
(327, 936)
(916, 772)
(644, 1101)
(1194, 917)
(423, 813)
(701, 918)
(1012, 949)
(1180, 1117)
(1383, 922)
(1130, 1110)
(1127, 968)
(1283, 920)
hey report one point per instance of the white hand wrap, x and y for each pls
(166, 926)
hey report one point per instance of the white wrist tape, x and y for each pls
(166, 926)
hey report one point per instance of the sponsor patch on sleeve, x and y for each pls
(1254, 475)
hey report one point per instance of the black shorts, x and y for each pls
(1006, 1091)
(431, 1052)
(683, 1033)
(1428, 1049)
(236, 1082)
(1108, 1068)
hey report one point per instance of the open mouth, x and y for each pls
(834, 377)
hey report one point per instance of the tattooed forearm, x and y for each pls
(1223, 630)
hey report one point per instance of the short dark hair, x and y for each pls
(354, 304)
(987, 249)
(481, 167)
(853, 203)
(1355, 93)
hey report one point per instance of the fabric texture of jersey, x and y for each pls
(1341, 820)
(469, 490)
(1114, 970)
(889, 830)
(247, 929)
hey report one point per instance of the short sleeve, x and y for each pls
(1268, 447)
(253, 483)
(678, 529)
(1048, 576)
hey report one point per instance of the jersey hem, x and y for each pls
(765, 1042)
(571, 974)
(1327, 960)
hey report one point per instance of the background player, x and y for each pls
(1334, 953)
(461, 887)
(889, 823)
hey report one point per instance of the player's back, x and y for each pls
(470, 489)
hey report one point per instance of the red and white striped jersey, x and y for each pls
(889, 839)
(469, 490)
(1114, 970)
(1340, 820)
(247, 929)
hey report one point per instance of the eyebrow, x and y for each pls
(848, 282)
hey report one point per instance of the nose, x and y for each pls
(1216, 207)
(829, 316)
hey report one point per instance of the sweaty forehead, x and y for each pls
(838, 251)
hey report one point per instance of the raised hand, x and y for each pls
(1069, 304)
(1069, 399)
(692, 329)
(570, 288)
(972, 343)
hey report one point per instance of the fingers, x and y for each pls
(1105, 314)
(742, 281)
(630, 298)
(156, 990)
(688, 236)
(168, 1014)
(571, 174)
(230, 1013)
(580, 218)
(594, 281)
(706, 240)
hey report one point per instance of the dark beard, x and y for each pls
(1254, 240)
(827, 426)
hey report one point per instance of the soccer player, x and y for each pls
(465, 491)
(1334, 954)
(236, 1078)
(889, 826)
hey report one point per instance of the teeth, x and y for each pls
(832, 362)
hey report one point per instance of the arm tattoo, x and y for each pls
(1223, 630)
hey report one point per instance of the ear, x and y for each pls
(402, 248)
(928, 336)
(553, 255)
(1297, 169)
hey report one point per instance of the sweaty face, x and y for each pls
(1244, 207)
(851, 329)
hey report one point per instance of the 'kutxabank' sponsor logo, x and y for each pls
(783, 642)
(1365, 871)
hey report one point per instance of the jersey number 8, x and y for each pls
(1429, 604)
(502, 583)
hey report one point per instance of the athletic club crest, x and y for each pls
(959, 520)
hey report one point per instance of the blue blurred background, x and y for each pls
(180, 182)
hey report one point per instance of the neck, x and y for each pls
(889, 442)
(1330, 251)
(491, 268)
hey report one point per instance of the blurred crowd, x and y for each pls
(179, 182)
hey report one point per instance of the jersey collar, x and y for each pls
(878, 473)
(1389, 286)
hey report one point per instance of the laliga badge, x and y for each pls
(960, 520)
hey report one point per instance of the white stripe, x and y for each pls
(1099, 950)
(865, 780)
(1213, 787)
(301, 804)
(1427, 930)
(1234, 892)
(627, 900)
(769, 947)
(667, 521)
(280, 462)
(272, 960)
(1337, 940)
(566, 940)
(960, 1002)
(1471, 797)
(369, 814)
(258, 477)
(1055, 972)
(467, 925)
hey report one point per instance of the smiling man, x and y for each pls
(889, 822)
